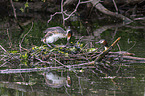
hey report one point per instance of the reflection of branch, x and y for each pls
(97, 32)
(116, 84)
(81, 90)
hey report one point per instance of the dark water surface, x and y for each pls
(121, 79)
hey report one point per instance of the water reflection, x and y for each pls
(103, 79)
(55, 81)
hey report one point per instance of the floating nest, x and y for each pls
(40, 58)
(72, 54)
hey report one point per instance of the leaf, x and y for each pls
(14, 51)
(26, 5)
(66, 54)
(22, 9)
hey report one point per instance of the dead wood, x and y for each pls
(104, 10)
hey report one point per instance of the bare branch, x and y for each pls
(15, 15)
(73, 11)
(63, 13)
(9, 38)
(115, 5)
(25, 36)
(14, 10)
(85, 2)
(53, 15)
(4, 49)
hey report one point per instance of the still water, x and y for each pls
(119, 79)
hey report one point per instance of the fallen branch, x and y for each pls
(7, 71)
(104, 10)
(133, 58)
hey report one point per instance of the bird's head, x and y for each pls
(43, 40)
(104, 43)
(69, 33)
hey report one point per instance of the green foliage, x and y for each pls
(43, 0)
(26, 5)
(25, 56)
(14, 51)
(22, 9)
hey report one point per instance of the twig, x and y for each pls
(82, 2)
(132, 46)
(115, 6)
(73, 11)
(53, 15)
(60, 63)
(116, 29)
(4, 50)
(63, 13)
(14, 10)
(119, 47)
(9, 38)
(15, 15)
(79, 39)
(118, 68)
(139, 18)
(2, 64)
(25, 36)
(42, 61)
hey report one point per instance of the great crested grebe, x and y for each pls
(55, 33)
(105, 44)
